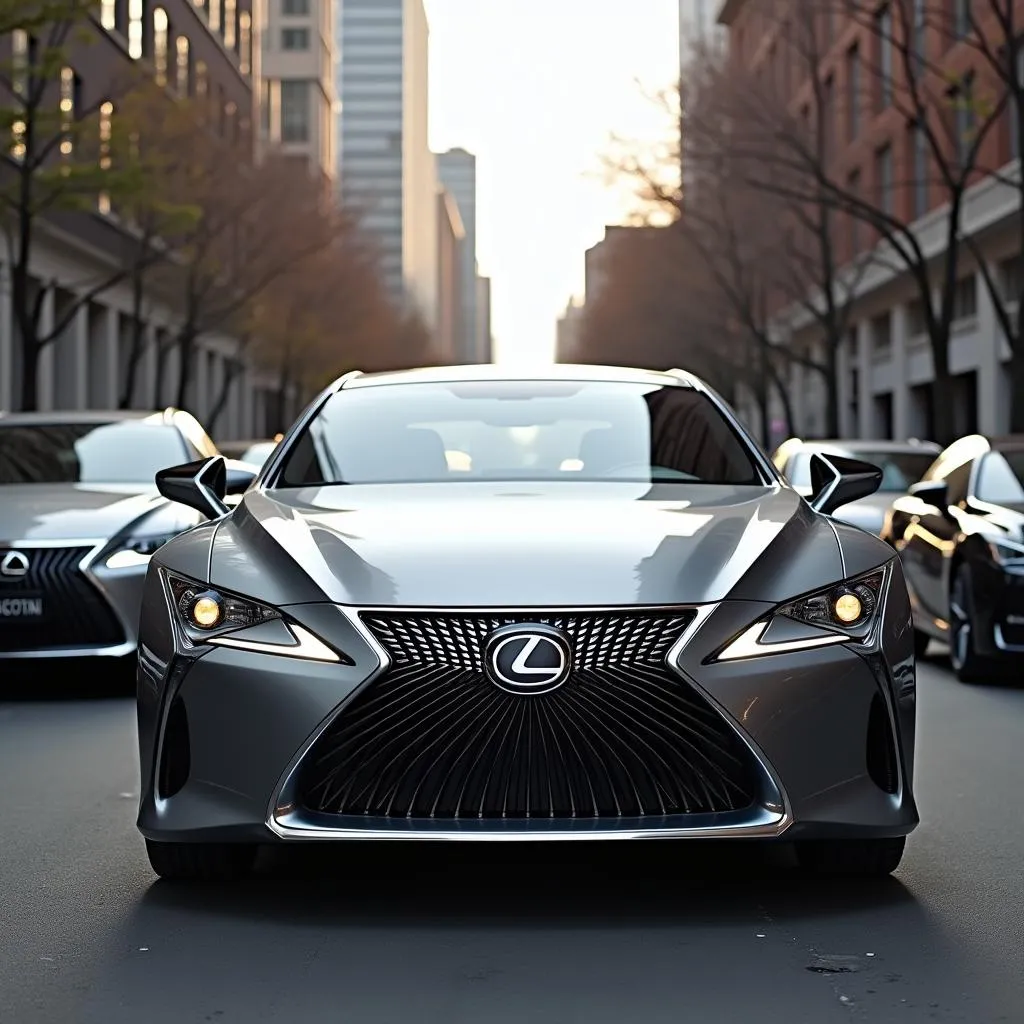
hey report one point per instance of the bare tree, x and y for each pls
(61, 162)
(788, 153)
(992, 31)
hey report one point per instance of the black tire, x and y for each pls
(201, 862)
(851, 858)
(968, 665)
(921, 642)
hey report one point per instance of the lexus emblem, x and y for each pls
(528, 659)
(14, 565)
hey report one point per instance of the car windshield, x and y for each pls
(1001, 478)
(519, 430)
(899, 469)
(87, 453)
(257, 454)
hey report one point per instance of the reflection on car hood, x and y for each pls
(52, 512)
(516, 545)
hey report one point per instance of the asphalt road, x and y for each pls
(644, 933)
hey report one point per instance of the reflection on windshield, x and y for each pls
(520, 430)
(107, 453)
(1001, 478)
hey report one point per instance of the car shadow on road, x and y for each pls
(570, 884)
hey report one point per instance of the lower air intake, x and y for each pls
(432, 737)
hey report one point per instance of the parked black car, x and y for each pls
(960, 532)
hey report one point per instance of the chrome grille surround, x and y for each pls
(767, 816)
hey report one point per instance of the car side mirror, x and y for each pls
(239, 475)
(200, 485)
(837, 480)
(931, 492)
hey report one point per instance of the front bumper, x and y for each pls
(237, 728)
(92, 610)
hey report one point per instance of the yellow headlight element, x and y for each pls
(848, 608)
(206, 612)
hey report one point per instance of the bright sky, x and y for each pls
(534, 88)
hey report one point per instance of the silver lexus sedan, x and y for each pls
(461, 604)
(80, 516)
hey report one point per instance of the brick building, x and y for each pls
(886, 363)
(202, 48)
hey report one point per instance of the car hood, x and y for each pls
(54, 512)
(480, 545)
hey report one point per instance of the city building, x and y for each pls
(484, 338)
(885, 364)
(699, 33)
(386, 168)
(202, 49)
(297, 98)
(567, 332)
(451, 240)
(457, 170)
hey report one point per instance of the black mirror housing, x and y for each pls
(931, 492)
(201, 485)
(837, 480)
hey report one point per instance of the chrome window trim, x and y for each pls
(286, 821)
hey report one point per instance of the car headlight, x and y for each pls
(210, 616)
(1007, 553)
(135, 551)
(843, 613)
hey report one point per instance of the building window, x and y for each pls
(1014, 104)
(965, 299)
(1011, 275)
(161, 31)
(108, 14)
(135, 13)
(853, 188)
(295, 111)
(917, 325)
(229, 24)
(965, 120)
(68, 98)
(919, 176)
(202, 82)
(214, 15)
(181, 64)
(295, 39)
(883, 179)
(961, 18)
(245, 42)
(881, 334)
(295, 8)
(106, 130)
(883, 33)
(853, 91)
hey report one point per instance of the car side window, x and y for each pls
(957, 481)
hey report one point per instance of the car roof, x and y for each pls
(492, 372)
(165, 416)
(865, 444)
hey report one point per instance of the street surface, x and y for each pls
(644, 933)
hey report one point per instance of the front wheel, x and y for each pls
(969, 666)
(851, 858)
(201, 862)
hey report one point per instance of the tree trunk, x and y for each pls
(135, 351)
(186, 353)
(832, 426)
(943, 408)
(29, 401)
(231, 371)
(28, 336)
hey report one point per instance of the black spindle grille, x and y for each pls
(75, 613)
(432, 737)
